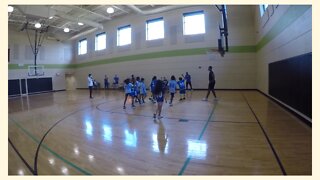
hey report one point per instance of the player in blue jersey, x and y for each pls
(137, 85)
(128, 86)
(143, 90)
(187, 77)
(172, 88)
(152, 86)
(182, 88)
(115, 81)
(159, 94)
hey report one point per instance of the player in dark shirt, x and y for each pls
(211, 85)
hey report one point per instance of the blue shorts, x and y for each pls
(132, 94)
(160, 99)
(182, 91)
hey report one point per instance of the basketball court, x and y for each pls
(259, 124)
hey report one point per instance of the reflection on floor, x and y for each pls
(82, 136)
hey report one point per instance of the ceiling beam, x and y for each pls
(92, 12)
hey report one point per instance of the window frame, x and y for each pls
(200, 12)
(147, 28)
(79, 46)
(118, 34)
(97, 43)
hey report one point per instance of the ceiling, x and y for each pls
(58, 17)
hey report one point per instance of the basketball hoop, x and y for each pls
(37, 70)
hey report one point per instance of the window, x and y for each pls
(263, 9)
(124, 35)
(193, 23)
(82, 47)
(100, 41)
(154, 29)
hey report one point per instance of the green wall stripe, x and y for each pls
(173, 53)
(242, 49)
(137, 57)
(46, 66)
(153, 55)
(291, 15)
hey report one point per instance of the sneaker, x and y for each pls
(133, 106)
(184, 98)
(180, 99)
(124, 107)
(205, 99)
(154, 116)
(160, 117)
(171, 105)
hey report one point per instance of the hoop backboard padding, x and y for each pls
(220, 47)
(37, 70)
(223, 44)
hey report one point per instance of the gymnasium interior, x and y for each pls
(259, 124)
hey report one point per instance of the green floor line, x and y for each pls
(50, 150)
(200, 136)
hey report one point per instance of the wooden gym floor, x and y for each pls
(243, 133)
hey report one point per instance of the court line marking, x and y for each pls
(244, 122)
(48, 131)
(56, 154)
(48, 149)
(21, 157)
(139, 115)
(200, 136)
(267, 138)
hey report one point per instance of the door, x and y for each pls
(70, 82)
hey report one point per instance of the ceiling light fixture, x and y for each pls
(10, 9)
(50, 17)
(37, 25)
(80, 23)
(66, 30)
(110, 10)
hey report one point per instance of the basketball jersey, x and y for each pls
(160, 97)
(143, 88)
(153, 84)
(128, 88)
(137, 86)
(90, 81)
(172, 86)
(188, 78)
(181, 84)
